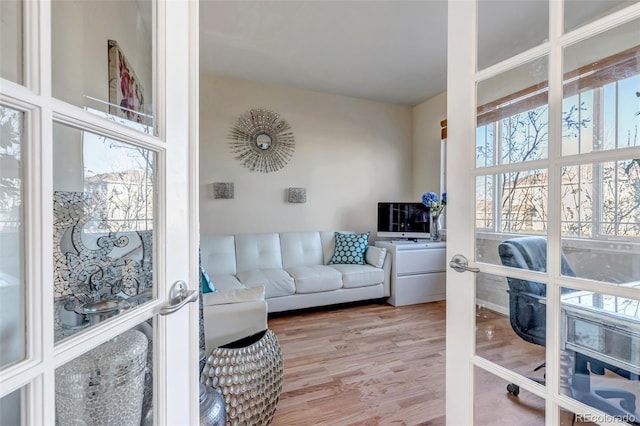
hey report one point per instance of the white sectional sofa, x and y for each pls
(259, 273)
(293, 268)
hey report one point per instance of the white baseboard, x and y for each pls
(504, 310)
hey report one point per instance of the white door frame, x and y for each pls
(461, 136)
(176, 354)
(460, 235)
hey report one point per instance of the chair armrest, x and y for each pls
(536, 297)
(541, 299)
(241, 295)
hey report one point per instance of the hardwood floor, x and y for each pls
(365, 365)
(382, 365)
(376, 364)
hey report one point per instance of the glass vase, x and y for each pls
(435, 228)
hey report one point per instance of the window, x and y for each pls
(601, 111)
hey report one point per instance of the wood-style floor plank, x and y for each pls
(363, 365)
(377, 364)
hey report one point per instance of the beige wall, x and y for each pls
(349, 154)
(426, 145)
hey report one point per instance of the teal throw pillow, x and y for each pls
(350, 249)
(207, 284)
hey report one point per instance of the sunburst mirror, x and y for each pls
(262, 141)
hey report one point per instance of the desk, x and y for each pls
(603, 327)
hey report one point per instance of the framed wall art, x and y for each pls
(126, 94)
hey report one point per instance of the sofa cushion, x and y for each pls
(350, 248)
(218, 254)
(328, 239)
(277, 282)
(258, 251)
(359, 275)
(301, 249)
(315, 278)
(225, 282)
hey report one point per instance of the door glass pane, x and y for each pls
(12, 279)
(602, 337)
(569, 418)
(580, 12)
(601, 84)
(110, 384)
(495, 407)
(102, 58)
(11, 408)
(509, 204)
(513, 116)
(104, 192)
(11, 40)
(507, 28)
(510, 324)
(601, 220)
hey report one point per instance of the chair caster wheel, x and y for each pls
(513, 389)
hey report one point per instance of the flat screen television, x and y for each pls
(403, 220)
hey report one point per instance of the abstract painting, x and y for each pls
(126, 94)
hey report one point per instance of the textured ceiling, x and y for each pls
(390, 51)
(386, 50)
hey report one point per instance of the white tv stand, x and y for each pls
(418, 273)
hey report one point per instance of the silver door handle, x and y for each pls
(459, 263)
(179, 295)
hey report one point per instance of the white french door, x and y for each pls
(98, 212)
(543, 114)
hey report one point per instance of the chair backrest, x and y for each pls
(530, 253)
(526, 314)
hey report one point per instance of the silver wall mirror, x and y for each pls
(261, 141)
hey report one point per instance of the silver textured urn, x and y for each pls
(249, 377)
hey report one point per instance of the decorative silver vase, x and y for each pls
(105, 386)
(435, 227)
(249, 377)
(212, 411)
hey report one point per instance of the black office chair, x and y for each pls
(527, 315)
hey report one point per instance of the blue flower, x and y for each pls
(430, 199)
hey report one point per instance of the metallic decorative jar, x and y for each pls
(250, 378)
(104, 386)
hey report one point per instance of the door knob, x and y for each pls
(179, 295)
(459, 263)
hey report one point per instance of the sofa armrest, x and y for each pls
(234, 296)
(232, 321)
(233, 315)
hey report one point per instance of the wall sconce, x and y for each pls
(223, 190)
(297, 195)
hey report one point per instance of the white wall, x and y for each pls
(349, 155)
(426, 145)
